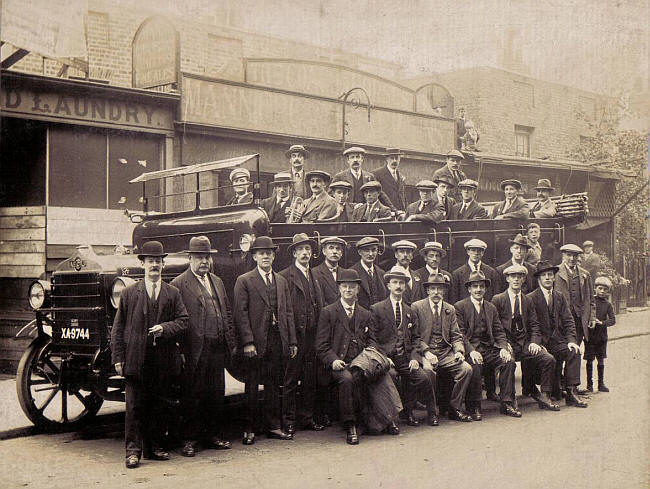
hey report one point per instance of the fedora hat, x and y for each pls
(477, 276)
(347, 275)
(282, 177)
(543, 266)
(152, 248)
(200, 244)
(263, 243)
(444, 179)
(436, 279)
(544, 184)
(520, 240)
(511, 181)
(239, 172)
(371, 185)
(433, 246)
(302, 238)
(297, 148)
(396, 273)
(318, 173)
(354, 149)
(367, 241)
(454, 153)
(341, 184)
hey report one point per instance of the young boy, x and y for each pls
(596, 347)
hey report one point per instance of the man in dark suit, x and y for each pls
(356, 176)
(278, 205)
(263, 316)
(485, 345)
(340, 191)
(297, 155)
(371, 210)
(452, 172)
(372, 288)
(519, 247)
(558, 333)
(468, 207)
(442, 342)
(519, 320)
(240, 179)
(344, 330)
(444, 203)
(392, 181)
(326, 273)
(150, 317)
(475, 249)
(426, 209)
(320, 206)
(433, 253)
(307, 302)
(514, 206)
(404, 251)
(397, 333)
(206, 345)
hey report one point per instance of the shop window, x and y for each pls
(522, 140)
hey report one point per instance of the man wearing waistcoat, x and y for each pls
(326, 273)
(372, 288)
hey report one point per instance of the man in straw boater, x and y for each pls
(558, 335)
(423, 209)
(433, 253)
(404, 251)
(278, 205)
(207, 344)
(263, 319)
(544, 207)
(332, 248)
(297, 155)
(372, 288)
(575, 284)
(514, 206)
(149, 319)
(442, 342)
(320, 206)
(392, 181)
(356, 176)
(519, 320)
(519, 247)
(307, 302)
(467, 207)
(485, 345)
(372, 210)
(397, 333)
(475, 249)
(344, 330)
(240, 179)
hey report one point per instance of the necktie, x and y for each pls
(507, 206)
(517, 312)
(153, 291)
(268, 279)
(206, 284)
(463, 208)
(550, 300)
(398, 314)
(348, 310)
(457, 176)
(480, 304)
(421, 206)
(371, 272)
(436, 313)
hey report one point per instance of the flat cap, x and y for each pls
(239, 172)
(334, 240)
(403, 243)
(367, 241)
(475, 243)
(426, 185)
(468, 183)
(454, 153)
(512, 269)
(604, 281)
(297, 148)
(571, 248)
(372, 185)
(354, 149)
(341, 184)
(433, 246)
(444, 179)
(587, 243)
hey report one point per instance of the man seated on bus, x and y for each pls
(278, 205)
(424, 208)
(514, 206)
(372, 210)
(468, 208)
(544, 207)
(240, 179)
(340, 191)
(320, 205)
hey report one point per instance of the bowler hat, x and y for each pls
(544, 184)
(571, 248)
(454, 153)
(367, 241)
(318, 173)
(239, 172)
(436, 279)
(433, 246)
(371, 185)
(394, 152)
(520, 240)
(477, 276)
(354, 149)
(426, 185)
(341, 184)
(282, 178)
(543, 266)
(152, 248)
(332, 239)
(396, 273)
(511, 181)
(297, 148)
(512, 269)
(302, 238)
(444, 179)
(348, 275)
(263, 243)
(200, 244)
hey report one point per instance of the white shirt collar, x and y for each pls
(264, 274)
(435, 306)
(477, 304)
(346, 307)
(149, 286)
(304, 270)
(473, 267)
(513, 297)
(368, 269)
(431, 270)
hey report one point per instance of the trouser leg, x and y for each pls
(292, 377)
(275, 376)
(251, 392)
(346, 390)
(462, 373)
(134, 414)
(212, 395)
(474, 392)
(542, 365)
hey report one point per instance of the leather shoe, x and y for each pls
(393, 429)
(159, 454)
(572, 400)
(188, 450)
(132, 461)
(532, 392)
(290, 428)
(544, 402)
(325, 420)
(458, 415)
(353, 435)
(411, 421)
(219, 444)
(432, 419)
(475, 413)
(249, 438)
(313, 426)
(509, 410)
(279, 435)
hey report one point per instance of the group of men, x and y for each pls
(306, 332)
(357, 195)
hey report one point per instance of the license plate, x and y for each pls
(74, 331)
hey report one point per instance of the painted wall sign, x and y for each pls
(155, 54)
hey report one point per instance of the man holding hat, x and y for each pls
(404, 251)
(208, 342)
(297, 155)
(372, 210)
(397, 332)
(475, 249)
(544, 207)
(307, 302)
(486, 345)
(444, 204)
(424, 209)
(149, 319)
(278, 205)
(372, 287)
(468, 207)
(320, 205)
(263, 317)
(514, 206)
(452, 172)
(558, 333)
(326, 273)
(240, 179)
(340, 191)
(433, 253)
(442, 342)
(518, 250)
(392, 181)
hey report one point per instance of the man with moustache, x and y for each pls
(486, 346)
(320, 206)
(468, 207)
(207, 344)
(372, 287)
(514, 206)
(519, 247)
(326, 273)
(404, 251)
(442, 342)
(278, 205)
(423, 209)
(263, 316)
(371, 210)
(149, 319)
(475, 249)
(392, 181)
(544, 207)
(452, 173)
(397, 333)
(307, 302)
(433, 253)
(297, 155)
(240, 179)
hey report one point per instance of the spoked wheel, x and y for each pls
(46, 397)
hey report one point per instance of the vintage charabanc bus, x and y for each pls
(66, 373)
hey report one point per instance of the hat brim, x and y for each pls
(546, 269)
(431, 284)
(514, 184)
(544, 188)
(304, 152)
(446, 182)
(442, 252)
(155, 255)
(310, 242)
(388, 276)
(346, 281)
(196, 252)
(487, 281)
(512, 241)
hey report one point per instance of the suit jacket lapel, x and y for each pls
(295, 277)
(162, 300)
(260, 285)
(428, 326)
(343, 316)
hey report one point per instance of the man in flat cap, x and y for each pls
(340, 191)
(392, 181)
(518, 250)
(332, 248)
(404, 251)
(475, 249)
(426, 208)
(372, 210)
(452, 172)
(444, 203)
(297, 155)
(207, 345)
(278, 205)
(589, 260)
(433, 253)
(468, 207)
(372, 287)
(240, 179)
(320, 205)
(544, 207)
(149, 319)
(514, 206)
